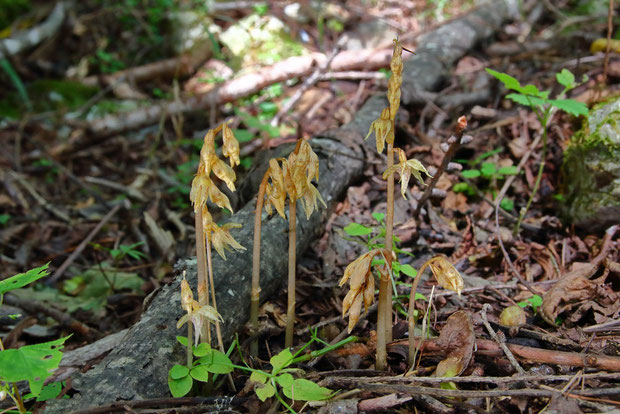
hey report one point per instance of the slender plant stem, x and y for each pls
(190, 339)
(201, 269)
(255, 294)
(389, 232)
(384, 312)
(218, 331)
(292, 240)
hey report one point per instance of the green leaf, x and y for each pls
(264, 391)
(301, 389)
(22, 279)
(32, 363)
(202, 349)
(507, 204)
(570, 106)
(508, 81)
(216, 362)
(566, 78)
(488, 169)
(243, 135)
(182, 340)
(379, 217)
(178, 372)
(408, 270)
(268, 108)
(520, 99)
(259, 377)
(530, 90)
(50, 391)
(509, 170)
(281, 360)
(180, 387)
(354, 229)
(470, 173)
(200, 373)
(461, 187)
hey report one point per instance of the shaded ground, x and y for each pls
(61, 180)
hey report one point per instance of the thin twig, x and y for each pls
(61, 270)
(502, 344)
(455, 143)
(610, 17)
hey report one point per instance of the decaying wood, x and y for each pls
(138, 367)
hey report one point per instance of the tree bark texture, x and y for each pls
(138, 367)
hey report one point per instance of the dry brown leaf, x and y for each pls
(457, 338)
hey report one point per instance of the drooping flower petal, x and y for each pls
(382, 128)
(224, 173)
(446, 274)
(222, 239)
(230, 148)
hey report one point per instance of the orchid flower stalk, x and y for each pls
(203, 190)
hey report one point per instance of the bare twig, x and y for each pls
(502, 344)
(455, 143)
(61, 270)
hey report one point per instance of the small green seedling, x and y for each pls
(543, 107)
(535, 302)
(127, 250)
(207, 361)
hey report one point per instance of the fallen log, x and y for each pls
(138, 367)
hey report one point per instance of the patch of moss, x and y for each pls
(591, 170)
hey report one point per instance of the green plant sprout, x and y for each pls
(535, 302)
(544, 108)
(181, 377)
(32, 363)
(282, 377)
(488, 171)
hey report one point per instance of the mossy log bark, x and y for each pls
(138, 367)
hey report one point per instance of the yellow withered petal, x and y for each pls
(359, 265)
(186, 295)
(382, 128)
(224, 173)
(446, 274)
(200, 191)
(207, 152)
(369, 292)
(354, 312)
(347, 301)
(222, 239)
(405, 169)
(230, 148)
(219, 198)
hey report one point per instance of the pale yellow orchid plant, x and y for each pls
(203, 190)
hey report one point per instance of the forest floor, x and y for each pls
(118, 206)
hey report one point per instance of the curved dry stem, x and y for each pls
(410, 318)
(218, 330)
(292, 240)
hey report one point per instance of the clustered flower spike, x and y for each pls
(361, 286)
(204, 189)
(446, 274)
(196, 314)
(293, 176)
(405, 169)
(384, 125)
